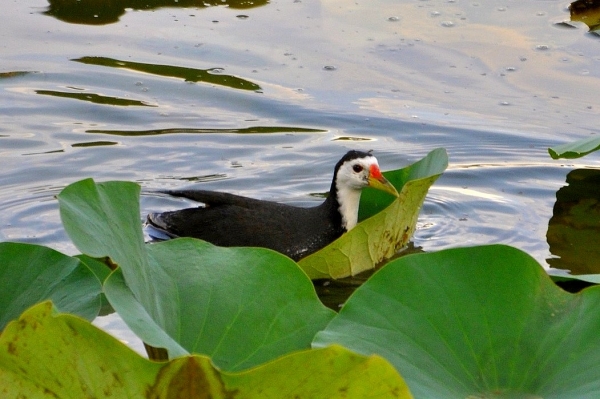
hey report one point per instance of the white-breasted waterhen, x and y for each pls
(233, 221)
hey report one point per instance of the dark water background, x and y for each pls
(262, 99)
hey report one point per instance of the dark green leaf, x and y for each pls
(242, 306)
(473, 323)
(32, 273)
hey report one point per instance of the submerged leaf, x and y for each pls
(45, 355)
(475, 322)
(388, 226)
(33, 273)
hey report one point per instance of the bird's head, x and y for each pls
(357, 170)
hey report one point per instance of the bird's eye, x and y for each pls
(357, 168)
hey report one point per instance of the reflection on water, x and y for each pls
(245, 130)
(574, 229)
(95, 98)
(213, 75)
(94, 144)
(102, 12)
(586, 11)
(12, 74)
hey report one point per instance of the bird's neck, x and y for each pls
(347, 205)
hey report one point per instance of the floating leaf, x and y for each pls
(32, 273)
(242, 306)
(576, 149)
(211, 76)
(45, 355)
(476, 322)
(389, 225)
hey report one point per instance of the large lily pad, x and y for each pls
(44, 355)
(477, 322)
(389, 222)
(242, 306)
(32, 273)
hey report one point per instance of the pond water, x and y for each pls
(262, 98)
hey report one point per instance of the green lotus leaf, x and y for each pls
(477, 322)
(32, 273)
(241, 306)
(387, 226)
(45, 355)
(576, 149)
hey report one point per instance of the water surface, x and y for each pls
(262, 98)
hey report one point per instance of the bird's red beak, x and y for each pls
(376, 180)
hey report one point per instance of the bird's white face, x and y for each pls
(354, 174)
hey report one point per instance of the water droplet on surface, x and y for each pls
(510, 69)
(216, 70)
(393, 19)
(329, 68)
(447, 24)
(542, 47)
(504, 103)
(242, 16)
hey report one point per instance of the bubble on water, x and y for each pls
(542, 47)
(435, 13)
(329, 68)
(504, 103)
(510, 69)
(501, 8)
(447, 24)
(216, 70)
(393, 19)
(522, 59)
(242, 16)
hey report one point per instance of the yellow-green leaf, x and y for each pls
(389, 229)
(45, 355)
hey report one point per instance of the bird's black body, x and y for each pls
(231, 220)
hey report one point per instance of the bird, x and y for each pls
(230, 220)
